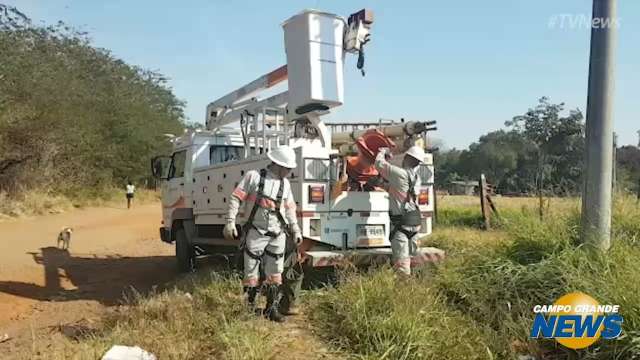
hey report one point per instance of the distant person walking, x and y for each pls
(130, 190)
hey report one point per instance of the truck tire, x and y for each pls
(185, 254)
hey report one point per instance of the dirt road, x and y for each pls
(112, 250)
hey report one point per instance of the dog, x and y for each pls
(64, 238)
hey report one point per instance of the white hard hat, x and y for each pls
(283, 156)
(417, 153)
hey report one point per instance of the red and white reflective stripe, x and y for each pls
(274, 279)
(305, 214)
(252, 281)
(403, 265)
(239, 193)
(264, 202)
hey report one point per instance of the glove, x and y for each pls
(386, 152)
(297, 238)
(230, 232)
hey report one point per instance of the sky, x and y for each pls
(471, 65)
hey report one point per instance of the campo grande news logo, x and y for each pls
(577, 320)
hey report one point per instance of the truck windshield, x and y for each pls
(223, 153)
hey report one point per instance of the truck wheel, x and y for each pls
(185, 254)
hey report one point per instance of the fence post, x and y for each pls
(486, 214)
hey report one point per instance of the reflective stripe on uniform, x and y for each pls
(274, 279)
(250, 281)
(403, 265)
(264, 203)
(239, 193)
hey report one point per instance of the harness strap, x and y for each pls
(260, 196)
(273, 255)
(283, 223)
(407, 233)
(252, 255)
(411, 196)
(252, 215)
(268, 233)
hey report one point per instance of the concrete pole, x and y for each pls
(615, 163)
(596, 194)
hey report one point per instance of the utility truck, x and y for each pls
(341, 212)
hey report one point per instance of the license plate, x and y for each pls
(370, 235)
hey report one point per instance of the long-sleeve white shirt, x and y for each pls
(398, 179)
(247, 192)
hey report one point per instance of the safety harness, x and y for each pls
(408, 218)
(249, 224)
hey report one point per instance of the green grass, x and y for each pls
(478, 304)
(374, 316)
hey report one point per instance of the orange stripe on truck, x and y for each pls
(277, 75)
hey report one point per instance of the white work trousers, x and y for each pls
(403, 249)
(261, 245)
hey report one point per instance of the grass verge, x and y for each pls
(479, 303)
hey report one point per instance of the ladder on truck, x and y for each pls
(351, 126)
(264, 129)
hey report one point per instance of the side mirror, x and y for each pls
(160, 167)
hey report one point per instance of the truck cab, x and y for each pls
(192, 150)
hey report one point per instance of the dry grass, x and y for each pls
(41, 202)
(477, 305)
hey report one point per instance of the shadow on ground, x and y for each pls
(90, 277)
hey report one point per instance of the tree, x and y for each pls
(628, 163)
(498, 155)
(73, 117)
(559, 145)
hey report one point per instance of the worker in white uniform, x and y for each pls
(269, 201)
(406, 219)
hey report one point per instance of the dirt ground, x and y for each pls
(113, 250)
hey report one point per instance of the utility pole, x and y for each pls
(596, 194)
(615, 163)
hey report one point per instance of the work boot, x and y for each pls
(250, 293)
(288, 305)
(290, 310)
(271, 311)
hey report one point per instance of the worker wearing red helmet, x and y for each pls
(272, 215)
(403, 207)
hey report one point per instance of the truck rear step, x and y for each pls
(369, 256)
